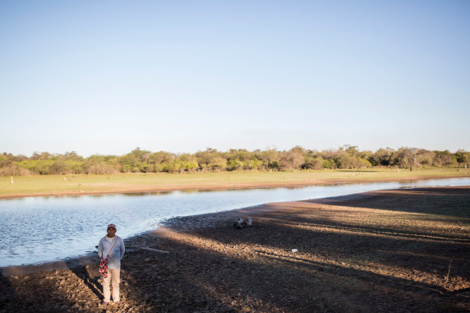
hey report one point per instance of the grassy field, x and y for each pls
(87, 184)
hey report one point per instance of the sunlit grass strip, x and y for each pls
(85, 184)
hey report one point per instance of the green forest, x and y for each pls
(297, 158)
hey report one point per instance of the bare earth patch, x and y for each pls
(384, 251)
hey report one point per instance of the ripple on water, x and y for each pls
(40, 229)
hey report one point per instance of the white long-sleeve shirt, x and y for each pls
(114, 258)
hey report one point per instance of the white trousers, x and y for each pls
(114, 276)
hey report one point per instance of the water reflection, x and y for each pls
(56, 227)
(140, 194)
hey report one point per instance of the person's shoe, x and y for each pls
(104, 303)
(118, 302)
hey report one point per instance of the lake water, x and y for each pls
(42, 229)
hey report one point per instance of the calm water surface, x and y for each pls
(42, 229)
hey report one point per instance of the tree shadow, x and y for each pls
(7, 293)
(362, 244)
(295, 284)
(340, 266)
(38, 292)
(366, 276)
(283, 219)
(90, 278)
(440, 201)
(160, 283)
(405, 261)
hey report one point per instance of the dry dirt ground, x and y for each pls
(386, 251)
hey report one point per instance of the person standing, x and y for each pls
(111, 247)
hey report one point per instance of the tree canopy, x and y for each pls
(297, 158)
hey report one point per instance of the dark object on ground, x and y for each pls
(241, 223)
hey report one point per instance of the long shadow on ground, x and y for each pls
(344, 266)
(350, 259)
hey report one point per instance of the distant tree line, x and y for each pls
(297, 158)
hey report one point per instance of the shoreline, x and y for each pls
(172, 223)
(382, 251)
(223, 187)
(177, 224)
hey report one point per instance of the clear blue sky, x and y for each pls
(104, 77)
